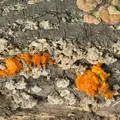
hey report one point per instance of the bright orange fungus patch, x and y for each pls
(15, 64)
(93, 82)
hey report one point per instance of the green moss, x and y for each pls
(118, 7)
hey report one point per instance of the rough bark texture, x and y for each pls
(65, 21)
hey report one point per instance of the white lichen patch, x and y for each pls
(3, 44)
(7, 49)
(20, 85)
(45, 25)
(66, 53)
(84, 104)
(67, 96)
(24, 100)
(116, 87)
(108, 103)
(20, 99)
(25, 74)
(20, 21)
(93, 55)
(64, 92)
(10, 85)
(17, 98)
(109, 59)
(25, 95)
(116, 47)
(55, 99)
(65, 62)
(28, 104)
(13, 52)
(36, 73)
(39, 45)
(31, 2)
(91, 103)
(36, 90)
(70, 99)
(62, 83)
(29, 25)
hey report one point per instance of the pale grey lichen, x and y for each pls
(55, 99)
(10, 85)
(16, 90)
(25, 96)
(45, 24)
(116, 47)
(116, 87)
(70, 99)
(35, 90)
(24, 100)
(20, 84)
(64, 92)
(108, 103)
(66, 53)
(109, 59)
(3, 44)
(20, 21)
(7, 49)
(84, 104)
(39, 45)
(36, 73)
(29, 25)
(62, 83)
(62, 88)
(31, 2)
(24, 73)
(93, 55)
(28, 104)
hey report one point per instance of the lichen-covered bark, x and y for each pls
(59, 21)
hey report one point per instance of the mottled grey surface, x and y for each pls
(66, 16)
(55, 11)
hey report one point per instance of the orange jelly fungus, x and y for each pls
(94, 82)
(15, 64)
